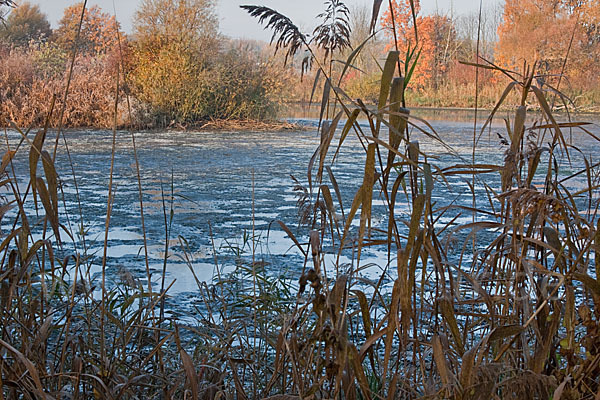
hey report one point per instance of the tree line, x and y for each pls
(174, 68)
(560, 39)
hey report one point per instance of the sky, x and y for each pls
(236, 23)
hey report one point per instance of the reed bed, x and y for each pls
(504, 306)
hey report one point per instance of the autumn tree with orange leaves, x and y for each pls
(404, 23)
(98, 30)
(437, 41)
(561, 36)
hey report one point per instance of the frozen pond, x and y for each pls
(223, 186)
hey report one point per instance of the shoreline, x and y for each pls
(283, 124)
(202, 126)
(472, 109)
(303, 105)
(230, 125)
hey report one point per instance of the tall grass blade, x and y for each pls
(291, 236)
(324, 100)
(326, 137)
(375, 15)
(345, 130)
(440, 361)
(34, 156)
(386, 79)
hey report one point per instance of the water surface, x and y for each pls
(214, 191)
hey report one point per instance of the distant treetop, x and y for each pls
(24, 24)
(98, 30)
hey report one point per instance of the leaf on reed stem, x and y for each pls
(188, 366)
(398, 118)
(315, 247)
(392, 220)
(42, 334)
(375, 15)
(349, 123)
(428, 180)
(51, 213)
(364, 310)
(502, 332)
(386, 79)
(9, 238)
(519, 129)
(358, 199)
(52, 179)
(351, 58)
(405, 291)
(34, 155)
(468, 367)
(336, 188)
(558, 136)
(6, 159)
(355, 361)
(335, 299)
(447, 310)
(569, 317)
(324, 99)
(23, 242)
(314, 87)
(506, 92)
(440, 361)
(368, 182)
(330, 208)
(557, 395)
(487, 299)
(552, 239)
(533, 163)
(392, 324)
(4, 209)
(590, 283)
(371, 340)
(413, 152)
(31, 254)
(415, 222)
(410, 63)
(327, 134)
(291, 235)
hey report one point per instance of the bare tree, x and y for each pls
(467, 26)
(3, 11)
(360, 19)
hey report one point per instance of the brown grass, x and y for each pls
(506, 306)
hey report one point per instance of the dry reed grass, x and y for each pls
(512, 312)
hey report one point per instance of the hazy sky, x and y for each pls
(235, 22)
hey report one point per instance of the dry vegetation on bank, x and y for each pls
(171, 76)
(183, 78)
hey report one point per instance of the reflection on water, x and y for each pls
(224, 187)
(447, 116)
